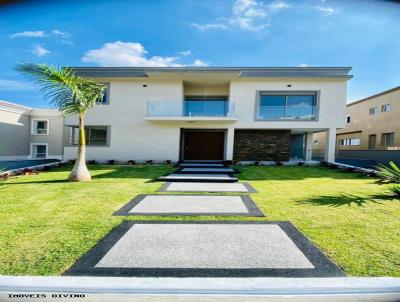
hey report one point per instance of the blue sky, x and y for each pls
(363, 34)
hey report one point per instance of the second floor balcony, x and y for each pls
(192, 110)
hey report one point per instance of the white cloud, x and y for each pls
(199, 63)
(249, 15)
(61, 36)
(326, 10)
(302, 65)
(278, 5)
(126, 54)
(208, 26)
(13, 85)
(184, 53)
(40, 51)
(29, 34)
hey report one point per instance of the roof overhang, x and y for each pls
(235, 72)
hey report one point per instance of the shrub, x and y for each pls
(278, 163)
(167, 162)
(28, 171)
(350, 169)
(149, 162)
(324, 163)
(111, 161)
(390, 174)
(395, 190)
(46, 168)
(72, 161)
(256, 163)
(92, 162)
(300, 163)
(131, 162)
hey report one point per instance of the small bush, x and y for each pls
(389, 174)
(256, 163)
(149, 162)
(301, 163)
(167, 162)
(72, 161)
(324, 163)
(395, 190)
(46, 168)
(111, 161)
(28, 171)
(278, 163)
(131, 162)
(350, 169)
(92, 162)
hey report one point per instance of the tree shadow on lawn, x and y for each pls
(346, 199)
(110, 172)
(250, 173)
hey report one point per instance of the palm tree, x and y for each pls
(72, 95)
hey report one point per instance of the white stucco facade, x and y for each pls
(136, 136)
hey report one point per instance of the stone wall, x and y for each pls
(261, 145)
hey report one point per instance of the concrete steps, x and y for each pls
(200, 177)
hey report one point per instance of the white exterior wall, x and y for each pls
(134, 138)
(332, 102)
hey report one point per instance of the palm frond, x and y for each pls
(70, 93)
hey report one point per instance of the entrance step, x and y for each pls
(201, 165)
(218, 170)
(198, 177)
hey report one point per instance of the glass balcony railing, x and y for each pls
(277, 113)
(190, 108)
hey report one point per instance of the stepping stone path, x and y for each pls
(190, 205)
(175, 248)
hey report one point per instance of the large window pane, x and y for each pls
(272, 100)
(97, 136)
(300, 113)
(287, 107)
(206, 107)
(300, 100)
(94, 135)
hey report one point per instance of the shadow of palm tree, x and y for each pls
(345, 199)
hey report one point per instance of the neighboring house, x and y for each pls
(27, 133)
(372, 129)
(184, 113)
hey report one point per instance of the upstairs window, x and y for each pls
(290, 106)
(94, 135)
(386, 108)
(387, 139)
(40, 127)
(373, 111)
(106, 95)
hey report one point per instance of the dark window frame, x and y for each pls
(75, 129)
(106, 97)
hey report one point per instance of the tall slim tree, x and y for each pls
(72, 95)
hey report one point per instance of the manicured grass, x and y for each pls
(46, 224)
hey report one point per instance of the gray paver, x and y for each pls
(190, 204)
(206, 187)
(225, 246)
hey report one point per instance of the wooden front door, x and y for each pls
(203, 145)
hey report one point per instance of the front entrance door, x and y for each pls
(203, 145)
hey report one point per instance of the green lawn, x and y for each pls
(46, 224)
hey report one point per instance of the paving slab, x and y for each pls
(226, 170)
(205, 249)
(190, 205)
(240, 187)
(198, 177)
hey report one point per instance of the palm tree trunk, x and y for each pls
(80, 171)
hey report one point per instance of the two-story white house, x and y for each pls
(211, 113)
